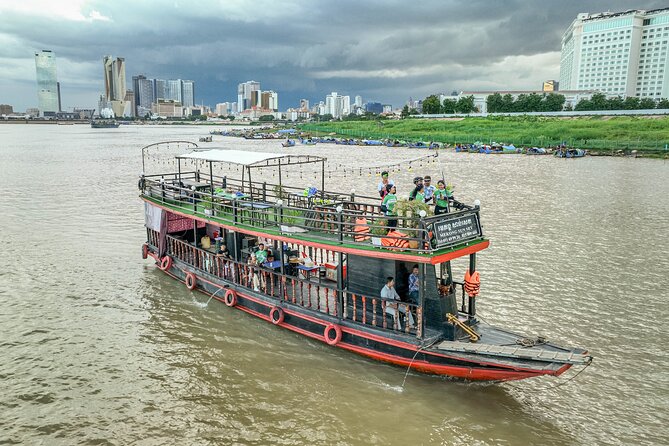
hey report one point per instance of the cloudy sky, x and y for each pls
(383, 50)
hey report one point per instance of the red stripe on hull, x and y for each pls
(470, 373)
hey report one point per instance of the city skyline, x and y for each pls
(406, 50)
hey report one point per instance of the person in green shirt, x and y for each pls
(441, 196)
(261, 254)
(389, 202)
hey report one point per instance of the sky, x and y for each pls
(383, 50)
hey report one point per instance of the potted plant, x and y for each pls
(377, 230)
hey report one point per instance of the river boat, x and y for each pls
(308, 141)
(569, 153)
(418, 145)
(536, 151)
(206, 138)
(288, 143)
(323, 274)
(104, 124)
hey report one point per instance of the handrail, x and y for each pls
(317, 221)
(341, 303)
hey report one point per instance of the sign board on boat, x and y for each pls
(456, 230)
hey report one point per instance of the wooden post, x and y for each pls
(472, 299)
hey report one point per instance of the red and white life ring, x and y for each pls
(276, 315)
(327, 334)
(191, 281)
(166, 263)
(145, 251)
(230, 298)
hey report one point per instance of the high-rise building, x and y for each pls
(48, 92)
(188, 93)
(269, 100)
(173, 90)
(622, 53)
(143, 92)
(337, 105)
(115, 88)
(245, 93)
(223, 109)
(304, 104)
(551, 85)
(358, 101)
(158, 89)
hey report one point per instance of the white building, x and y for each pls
(337, 105)
(115, 83)
(621, 53)
(571, 97)
(245, 96)
(223, 109)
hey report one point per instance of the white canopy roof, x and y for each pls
(249, 158)
(232, 156)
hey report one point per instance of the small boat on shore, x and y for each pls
(104, 124)
(570, 153)
(321, 272)
(308, 141)
(536, 151)
(288, 143)
(206, 138)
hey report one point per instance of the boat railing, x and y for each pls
(315, 294)
(346, 221)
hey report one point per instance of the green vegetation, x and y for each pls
(649, 134)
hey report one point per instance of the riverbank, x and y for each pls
(599, 134)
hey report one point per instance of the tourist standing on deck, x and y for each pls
(429, 189)
(441, 198)
(418, 193)
(388, 205)
(383, 185)
(416, 181)
(413, 285)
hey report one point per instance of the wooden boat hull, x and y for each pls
(399, 350)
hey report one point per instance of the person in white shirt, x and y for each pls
(389, 293)
(383, 185)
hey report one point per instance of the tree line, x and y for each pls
(533, 102)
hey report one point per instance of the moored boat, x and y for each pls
(321, 275)
(536, 151)
(104, 124)
(288, 143)
(564, 152)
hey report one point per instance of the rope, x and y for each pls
(423, 346)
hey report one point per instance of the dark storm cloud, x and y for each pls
(382, 50)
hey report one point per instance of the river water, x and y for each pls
(99, 347)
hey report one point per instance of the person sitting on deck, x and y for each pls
(223, 251)
(261, 254)
(383, 185)
(389, 293)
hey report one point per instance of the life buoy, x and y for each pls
(327, 334)
(145, 251)
(191, 281)
(276, 315)
(230, 298)
(166, 263)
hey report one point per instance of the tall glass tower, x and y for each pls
(47, 84)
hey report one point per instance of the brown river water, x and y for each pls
(99, 347)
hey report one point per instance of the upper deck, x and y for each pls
(340, 221)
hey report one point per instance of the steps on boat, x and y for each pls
(531, 353)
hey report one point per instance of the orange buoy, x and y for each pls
(327, 334)
(472, 283)
(276, 315)
(230, 298)
(166, 263)
(191, 281)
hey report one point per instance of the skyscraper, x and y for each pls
(115, 83)
(143, 91)
(48, 94)
(622, 53)
(245, 94)
(173, 90)
(188, 93)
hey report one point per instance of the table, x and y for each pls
(307, 271)
(257, 210)
(276, 264)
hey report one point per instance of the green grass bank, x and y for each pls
(596, 133)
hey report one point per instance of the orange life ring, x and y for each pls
(166, 263)
(276, 315)
(191, 281)
(145, 251)
(328, 331)
(230, 298)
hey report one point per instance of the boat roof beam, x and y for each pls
(251, 159)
